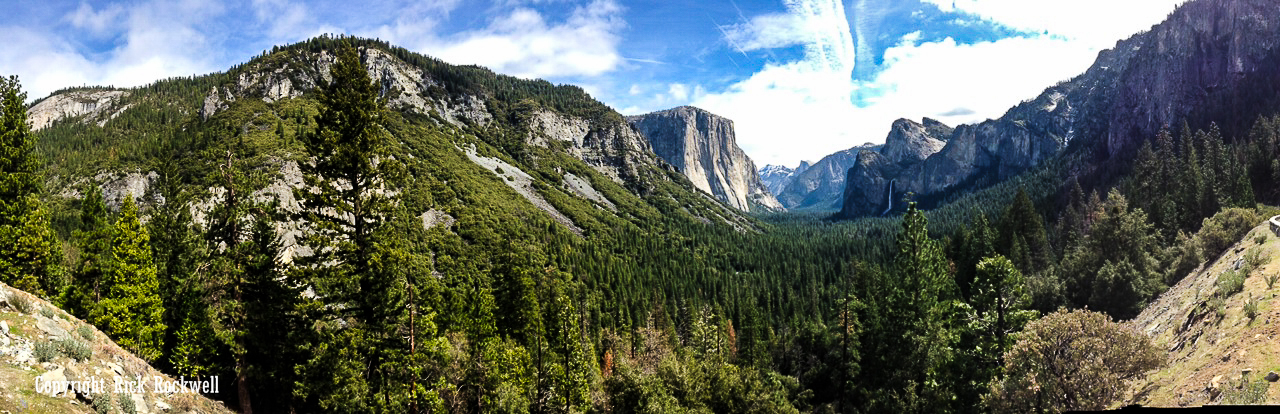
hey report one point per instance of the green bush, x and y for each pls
(85, 332)
(1230, 283)
(1251, 308)
(46, 351)
(1254, 258)
(19, 303)
(102, 403)
(76, 350)
(126, 404)
(46, 312)
(1219, 232)
(1262, 238)
(1249, 393)
(1219, 306)
(1271, 280)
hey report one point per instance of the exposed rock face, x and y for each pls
(614, 149)
(821, 186)
(702, 146)
(910, 142)
(97, 105)
(1206, 62)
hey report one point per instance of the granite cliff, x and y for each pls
(1211, 60)
(701, 145)
(821, 186)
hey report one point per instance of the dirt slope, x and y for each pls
(1208, 352)
(28, 323)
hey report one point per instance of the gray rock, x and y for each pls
(163, 407)
(702, 146)
(50, 327)
(4, 327)
(56, 378)
(93, 104)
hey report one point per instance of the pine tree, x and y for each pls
(347, 206)
(30, 256)
(131, 311)
(93, 240)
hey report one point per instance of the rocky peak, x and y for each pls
(911, 142)
(703, 147)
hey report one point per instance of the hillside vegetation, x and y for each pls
(1221, 326)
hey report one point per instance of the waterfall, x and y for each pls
(888, 200)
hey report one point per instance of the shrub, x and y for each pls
(1219, 306)
(1072, 360)
(126, 404)
(85, 332)
(1254, 258)
(1271, 280)
(1230, 283)
(102, 403)
(46, 351)
(46, 312)
(1247, 394)
(1223, 229)
(1251, 308)
(1262, 238)
(20, 303)
(76, 350)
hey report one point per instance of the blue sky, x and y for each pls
(800, 78)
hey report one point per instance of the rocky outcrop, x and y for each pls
(405, 86)
(96, 105)
(614, 149)
(1210, 61)
(702, 146)
(910, 142)
(821, 186)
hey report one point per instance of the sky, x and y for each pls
(800, 78)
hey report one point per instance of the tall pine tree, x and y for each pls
(30, 256)
(346, 207)
(131, 311)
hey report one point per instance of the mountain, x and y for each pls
(777, 177)
(702, 146)
(820, 186)
(1211, 60)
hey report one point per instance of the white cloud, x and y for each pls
(524, 42)
(678, 91)
(1097, 22)
(766, 32)
(806, 109)
(154, 40)
(96, 22)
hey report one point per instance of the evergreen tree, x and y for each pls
(131, 310)
(1022, 224)
(30, 256)
(93, 240)
(346, 206)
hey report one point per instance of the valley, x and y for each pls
(342, 224)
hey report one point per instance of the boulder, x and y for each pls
(1272, 377)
